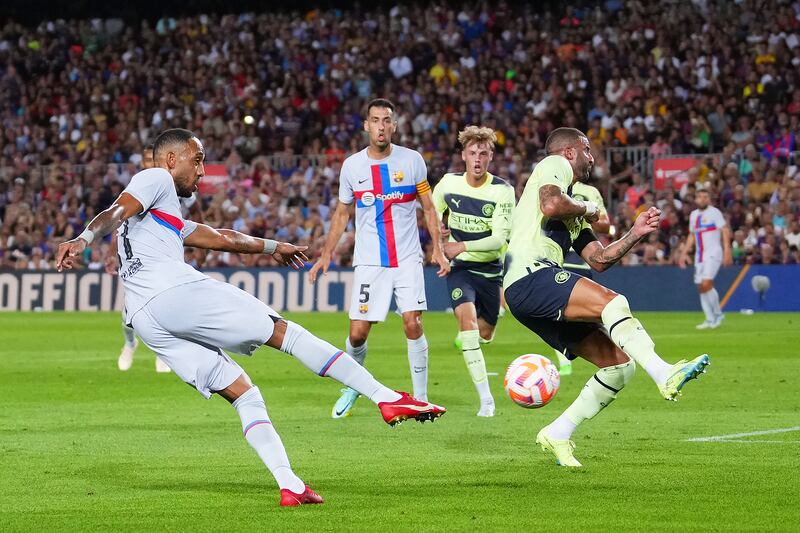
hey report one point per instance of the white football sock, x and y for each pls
(260, 434)
(359, 353)
(598, 393)
(130, 336)
(324, 359)
(713, 302)
(629, 335)
(562, 427)
(705, 303)
(418, 361)
(473, 356)
(562, 359)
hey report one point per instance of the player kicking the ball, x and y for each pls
(477, 207)
(571, 312)
(188, 319)
(382, 183)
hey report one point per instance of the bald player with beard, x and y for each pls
(568, 311)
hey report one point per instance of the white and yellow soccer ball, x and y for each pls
(531, 381)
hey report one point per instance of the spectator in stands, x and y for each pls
(671, 87)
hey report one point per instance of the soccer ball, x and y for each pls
(531, 381)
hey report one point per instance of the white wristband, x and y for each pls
(87, 236)
(591, 208)
(270, 246)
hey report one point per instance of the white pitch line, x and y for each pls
(759, 441)
(723, 438)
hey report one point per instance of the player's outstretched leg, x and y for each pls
(347, 400)
(261, 435)
(125, 359)
(598, 393)
(628, 333)
(324, 359)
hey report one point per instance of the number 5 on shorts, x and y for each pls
(364, 293)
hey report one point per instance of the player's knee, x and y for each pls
(278, 334)
(705, 286)
(466, 316)
(607, 295)
(412, 325)
(358, 338)
(615, 309)
(358, 333)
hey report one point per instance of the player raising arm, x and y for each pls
(382, 183)
(571, 312)
(125, 359)
(583, 191)
(188, 319)
(478, 209)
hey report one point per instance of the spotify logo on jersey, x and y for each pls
(368, 199)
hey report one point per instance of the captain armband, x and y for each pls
(585, 237)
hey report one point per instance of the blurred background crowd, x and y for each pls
(278, 100)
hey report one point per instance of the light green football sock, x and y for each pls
(598, 393)
(473, 356)
(629, 334)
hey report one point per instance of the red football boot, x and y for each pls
(409, 407)
(293, 499)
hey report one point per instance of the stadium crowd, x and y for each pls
(278, 99)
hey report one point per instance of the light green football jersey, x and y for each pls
(480, 217)
(583, 191)
(535, 237)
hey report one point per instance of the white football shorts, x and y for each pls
(707, 269)
(189, 326)
(373, 287)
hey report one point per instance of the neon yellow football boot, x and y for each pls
(682, 372)
(562, 449)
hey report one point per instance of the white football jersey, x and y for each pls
(150, 244)
(707, 227)
(186, 205)
(385, 192)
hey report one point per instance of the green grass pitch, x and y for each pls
(85, 447)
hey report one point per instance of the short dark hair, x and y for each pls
(380, 102)
(561, 138)
(168, 138)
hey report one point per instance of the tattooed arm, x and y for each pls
(601, 257)
(555, 204)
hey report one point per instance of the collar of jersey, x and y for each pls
(485, 183)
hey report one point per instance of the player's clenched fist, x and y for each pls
(647, 222)
(67, 252)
